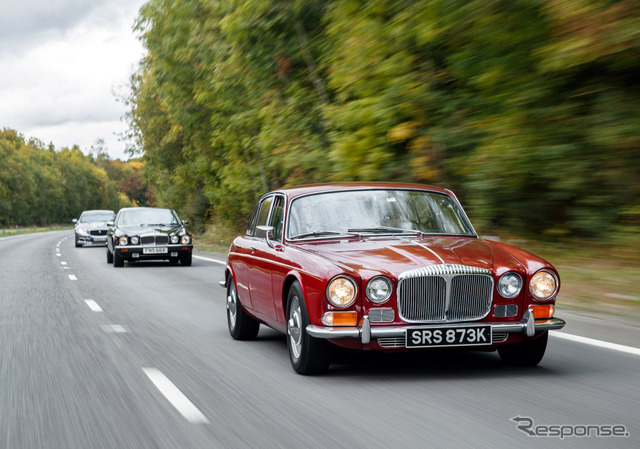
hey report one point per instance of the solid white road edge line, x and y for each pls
(93, 305)
(175, 396)
(598, 343)
(222, 262)
(73, 277)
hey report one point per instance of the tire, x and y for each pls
(109, 256)
(78, 245)
(186, 260)
(118, 261)
(308, 355)
(527, 353)
(241, 325)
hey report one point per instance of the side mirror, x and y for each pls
(75, 220)
(266, 232)
(110, 224)
(185, 222)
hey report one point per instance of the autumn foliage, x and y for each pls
(527, 109)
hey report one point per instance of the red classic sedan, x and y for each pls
(382, 266)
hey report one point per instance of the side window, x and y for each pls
(277, 217)
(262, 215)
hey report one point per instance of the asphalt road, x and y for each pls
(93, 356)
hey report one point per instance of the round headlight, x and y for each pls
(509, 285)
(175, 239)
(379, 289)
(341, 291)
(135, 240)
(543, 285)
(123, 240)
(185, 240)
(82, 231)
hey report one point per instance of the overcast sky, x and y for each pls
(60, 63)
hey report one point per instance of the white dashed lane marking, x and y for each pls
(597, 343)
(175, 396)
(222, 262)
(113, 328)
(93, 305)
(73, 277)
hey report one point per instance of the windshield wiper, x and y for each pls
(158, 224)
(316, 234)
(385, 229)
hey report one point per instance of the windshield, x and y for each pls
(376, 212)
(149, 217)
(97, 217)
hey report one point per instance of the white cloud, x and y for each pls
(60, 88)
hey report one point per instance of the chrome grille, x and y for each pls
(98, 232)
(392, 342)
(444, 293)
(154, 240)
(381, 315)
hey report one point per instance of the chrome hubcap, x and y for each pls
(232, 306)
(294, 328)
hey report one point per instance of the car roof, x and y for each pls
(98, 211)
(295, 191)
(124, 209)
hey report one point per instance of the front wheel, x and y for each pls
(118, 261)
(308, 355)
(186, 260)
(241, 325)
(109, 256)
(527, 353)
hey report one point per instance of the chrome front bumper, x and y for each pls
(528, 325)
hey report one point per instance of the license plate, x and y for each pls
(448, 336)
(155, 250)
(100, 239)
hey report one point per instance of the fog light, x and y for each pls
(543, 311)
(340, 319)
(135, 255)
(174, 254)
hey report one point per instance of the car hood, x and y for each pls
(150, 230)
(396, 255)
(96, 225)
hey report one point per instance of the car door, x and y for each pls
(264, 260)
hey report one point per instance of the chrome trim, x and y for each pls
(499, 337)
(140, 247)
(366, 331)
(505, 310)
(442, 281)
(530, 326)
(441, 270)
(374, 332)
(381, 315)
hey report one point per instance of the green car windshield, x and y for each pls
(376, 212)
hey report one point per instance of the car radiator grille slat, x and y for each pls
(444, 293)
(154, 240)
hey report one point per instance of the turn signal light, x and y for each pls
(543, 311)
(340, 319)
